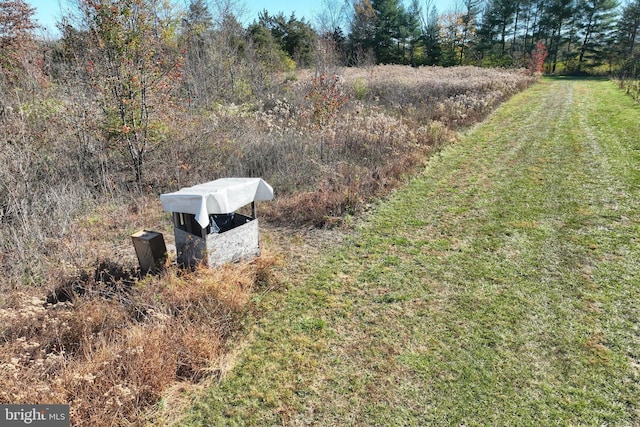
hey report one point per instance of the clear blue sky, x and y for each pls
(48, 12)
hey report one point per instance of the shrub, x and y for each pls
(360, 88)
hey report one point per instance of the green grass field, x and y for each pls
(500, 287)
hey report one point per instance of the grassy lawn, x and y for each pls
(499, 287)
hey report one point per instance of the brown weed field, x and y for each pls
(80, 325)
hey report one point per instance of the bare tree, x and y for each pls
(334, 15)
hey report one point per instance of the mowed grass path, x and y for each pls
(501, 287)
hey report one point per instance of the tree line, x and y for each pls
(579, 35)
(139, 61)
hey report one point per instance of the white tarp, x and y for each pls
(221, 196)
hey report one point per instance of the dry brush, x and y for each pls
(80, 326)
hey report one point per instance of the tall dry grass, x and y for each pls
(80, 326)
(113, 348)
(394, 118)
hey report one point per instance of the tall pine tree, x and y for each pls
(596, 30)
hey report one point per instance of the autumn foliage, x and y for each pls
(325, 97)
(535, 60)
(17, 44)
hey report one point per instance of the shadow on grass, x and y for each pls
(576, 77)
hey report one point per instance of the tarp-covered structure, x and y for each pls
(200, 238)
(221, 196)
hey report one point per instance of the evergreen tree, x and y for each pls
(386, 29)
(390, 34)
(596, 29)
(628, 28)
(198, 21)
(340, 41)
(498, 19)
(468, 23)
(554, 25)
(295, 36)
(361, 39)
(272, 56)
(529, 19)
(516, 49)
(414, 34)
(432, 50)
